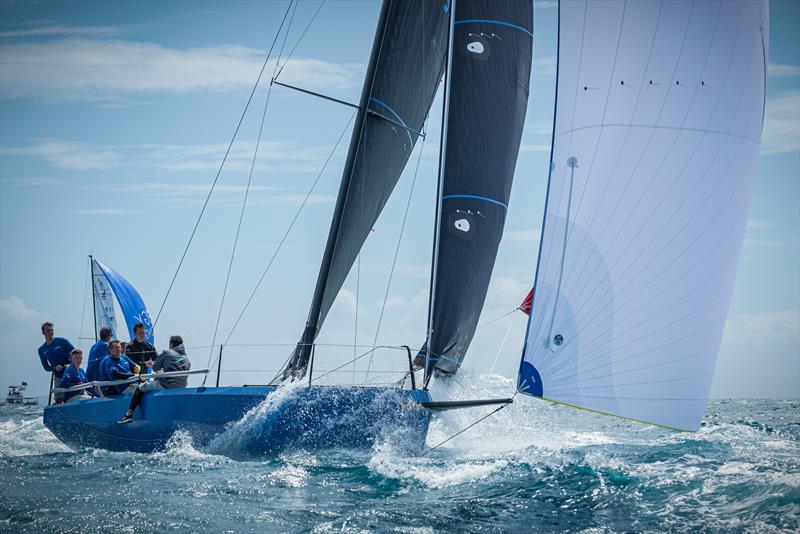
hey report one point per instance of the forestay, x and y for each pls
(657, 131)
(130, 301)
(487, 100)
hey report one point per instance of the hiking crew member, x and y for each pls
(139, 350)
(73, 376)
(173, 359)
(54, 354)
(98, 351)
(117, 366)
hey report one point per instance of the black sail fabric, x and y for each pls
(488, 98)
(406, 64)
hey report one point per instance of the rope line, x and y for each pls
(289, 229)
(467, 427)
(216, 179)
(396, 251)
(247, 189)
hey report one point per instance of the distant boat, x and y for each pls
(15, 396)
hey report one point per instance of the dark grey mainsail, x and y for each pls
(487, 98)
(405, 66)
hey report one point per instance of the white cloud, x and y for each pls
(346, 303)
(66, 154)
(14, 309)
(109, 69)
(760, 356)
(286, 157)
(782, 124)
(61, 29)
(544, 66)
(762, 224)
(30, 182)
(776, 70)
(532, 147)
(507, 289)
(102, 211)
(525, 236)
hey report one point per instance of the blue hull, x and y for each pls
(245, 422)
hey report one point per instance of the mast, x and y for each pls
(405, 66)
(302, 352)
(94, 297)
(442, 154)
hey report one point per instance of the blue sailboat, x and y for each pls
(657, 127)
(484, 51)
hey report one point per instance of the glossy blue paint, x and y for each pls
(244, 422)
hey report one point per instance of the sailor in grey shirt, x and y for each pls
(172, 359)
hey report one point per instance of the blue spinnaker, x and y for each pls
(130, 301)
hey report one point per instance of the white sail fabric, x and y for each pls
(104, 314)
(658, 124)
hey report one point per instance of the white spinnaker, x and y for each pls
(657, 131)
(103, 301)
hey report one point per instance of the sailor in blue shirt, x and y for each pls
(54, 353)
(117, 366)
(73, 376)
(98, 351)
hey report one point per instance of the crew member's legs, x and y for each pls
(136, 399)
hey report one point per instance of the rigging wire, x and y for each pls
(397, 250)
(310, 22)
(219, 172)
(247, 189)
(503, 343)
(355, 331)
(468, 427)
(289, 229)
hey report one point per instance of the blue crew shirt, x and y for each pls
(56, 353)
(72, 377)
(96, 354)
(109, 369)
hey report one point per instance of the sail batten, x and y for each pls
(655, 144)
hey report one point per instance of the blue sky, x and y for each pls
(115, 116)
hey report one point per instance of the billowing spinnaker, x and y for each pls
(130, 301)
(405, 66)
(104, 314)
(488, 98)
(657, 131)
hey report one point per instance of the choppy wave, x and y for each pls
(530, 466)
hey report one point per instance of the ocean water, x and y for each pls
(530, 467)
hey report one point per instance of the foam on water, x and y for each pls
(530, 466)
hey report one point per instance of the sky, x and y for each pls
(115, 116)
